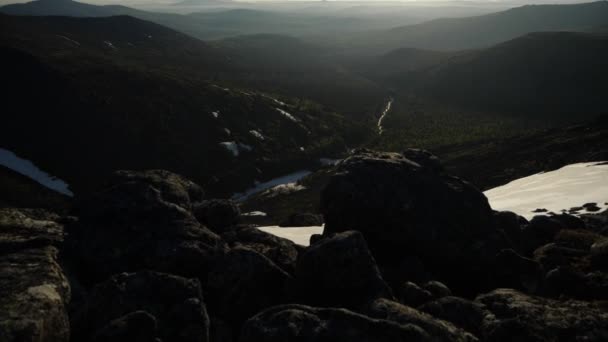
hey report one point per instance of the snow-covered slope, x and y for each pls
(27, 168)
(571, 186)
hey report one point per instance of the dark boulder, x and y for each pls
(282, 252)
(34, 291)
(570, 221)
(217, 214)
(173, 188)
(406, 209)
(424, 158)
(410, 294)
(574, 283)
(130, 225)
(175, 303)
(461, 312)
(511, 224)
(437, 289)
(437, 329)
(242, 283)
(137, 326)
(599, 254)
(553, 255)
(302, 220)
(515, 271)
(339, 271)
(540, 231)
(306, 324)
(513, 316)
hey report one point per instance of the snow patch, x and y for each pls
(69, 40)
(245, 147)
(282, 189)
(299, 235)
(257, 134)
(290, 178)
(216, 114)
(329, 161)
(27, 168)
(255, 213)
(287, 115)
(571, 186)
(231, 146)
(109, 44)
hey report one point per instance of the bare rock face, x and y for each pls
(242, 283)
(437, 329)
(219, 215)
(34, 291)
(513, 316)
(281, 251)
(339, 271)
(307, 324)
(141, 221)
(145, 304)
(406, 207)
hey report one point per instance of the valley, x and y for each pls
(306, 171)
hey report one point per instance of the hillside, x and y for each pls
(101, 94)
(542, 75)
(481, 31)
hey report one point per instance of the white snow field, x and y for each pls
(28, 169)
(571, 186)
(290, 178)
(299, 235)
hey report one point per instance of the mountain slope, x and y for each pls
(547, 75)
(141, 102)
(485, 30)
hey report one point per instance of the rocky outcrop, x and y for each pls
(281, 251)
(218, 215)
(461, 312)
(34, 292)
(141, 221)
(307, 324)
(437, 329)
(147, 304)
(409, 207)
(512, 315)
(242, 283)
(140, 253)
(339, 271)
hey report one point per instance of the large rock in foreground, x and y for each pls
(306, 324)
(339, 271)
(146, 304)
(142, 221)
(34, 292)
(514, 316)
(409, 207)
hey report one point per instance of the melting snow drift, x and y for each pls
(290, 178)
(571, 186)
(27, 168)
(299, 235)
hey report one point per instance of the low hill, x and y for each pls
(101, 94)
(482, 31)
(546, 75)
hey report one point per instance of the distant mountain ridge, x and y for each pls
(486, 30)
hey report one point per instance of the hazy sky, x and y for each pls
(506, 2)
